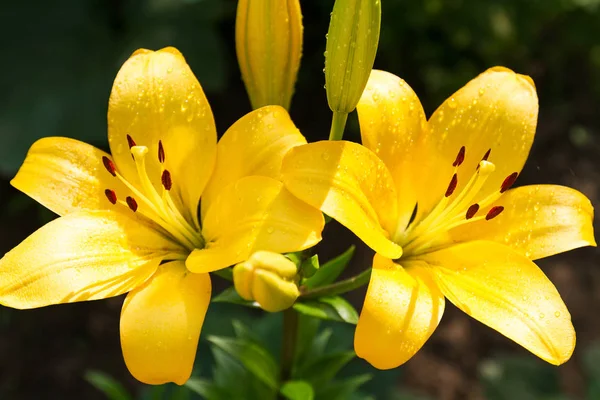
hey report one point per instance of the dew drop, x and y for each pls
(557, 314)
(452, 103)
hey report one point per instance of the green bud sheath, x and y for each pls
(351, 47)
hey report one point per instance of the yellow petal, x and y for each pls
(157, 97)
(402, 309)
(255, 213)
(498, 111)
(538, 221)
(254, 145)
(349, 183)
(161, 323)
(66, 175)
(509, 293)
(81, 256)
(391, 124)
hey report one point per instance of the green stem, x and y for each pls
(290, 331)
(338, 123)
(339, 287)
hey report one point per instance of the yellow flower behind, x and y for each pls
(129, 221)
(433, 199)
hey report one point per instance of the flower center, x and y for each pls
(148, 203)
(455, 209)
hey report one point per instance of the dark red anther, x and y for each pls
(111, 196)
(132, 203)
(161, 152)
(452, 185)
(486, 155)
(166, 180)
(460, 157)
(130, 141)
(508, 182)
(472, 210)
(109, 165)
(494, 212)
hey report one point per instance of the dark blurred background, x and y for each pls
(58, 62)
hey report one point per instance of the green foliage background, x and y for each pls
(58, 62)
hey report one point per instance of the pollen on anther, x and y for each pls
(452, 185)
(494, 212)
(166, 180)
(132, 203)
(486, 155)
(109, 165)
(472, 211)
(130, 141)
(111, 196)
(460, 157)
(161, 152)
(508, 182)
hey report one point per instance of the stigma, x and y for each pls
(150, 202)
(457, 206)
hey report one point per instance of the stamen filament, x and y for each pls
(161, 215)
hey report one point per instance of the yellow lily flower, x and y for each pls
(128, 222)
(432, 199)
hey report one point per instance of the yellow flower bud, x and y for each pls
(268, 37)
(350, 52)
(267, 278)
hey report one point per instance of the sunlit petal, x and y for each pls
(161, 323)
(509, 293)
(349, 183)
(497, 110)
(66, 175)
(391, 124)
(402, 308)
(81, 256)
(156, 97)
(254, 145)
(254, 213)
(538, 221)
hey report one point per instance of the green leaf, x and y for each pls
(342, 390)
(206, 389)
(324, 369)
(230, 295)
(226, 273)
(297, 390)
(332, 308)
(107, 385)
(243, 332)
(331, 270)
(307, 330)
(295, 257)
(229, 369)
(255, 358)
(310, 266)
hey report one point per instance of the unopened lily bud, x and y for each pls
(267, 278)
(350, 52)
(268, 38)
